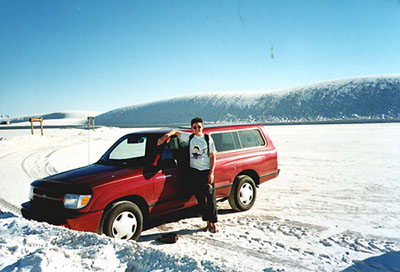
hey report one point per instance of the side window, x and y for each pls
(173, 143)
(173, 154)
(168, 151)
(226, 141)
(166, 154)
(251, 138)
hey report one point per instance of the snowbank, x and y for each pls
(31, 246)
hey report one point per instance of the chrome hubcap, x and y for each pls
(124, 225)
(246, 194)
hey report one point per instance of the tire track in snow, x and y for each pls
(35, 163)
(269, 240)
(50, 170)
(9, 154)
(261, 255)
(5, 205)
(32, 164)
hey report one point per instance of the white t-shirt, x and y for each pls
(199, 158)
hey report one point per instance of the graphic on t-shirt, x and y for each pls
(199, 158)
(197, 152)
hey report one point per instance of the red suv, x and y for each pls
(136, 180)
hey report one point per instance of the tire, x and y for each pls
(123, 220)
(243, 193)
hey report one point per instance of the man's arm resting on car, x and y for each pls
(170, 133)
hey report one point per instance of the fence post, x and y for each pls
(32, 131)
(35, 119)
(90, 121)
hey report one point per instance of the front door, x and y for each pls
(169, 190)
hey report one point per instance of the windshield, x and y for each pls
(128, 149)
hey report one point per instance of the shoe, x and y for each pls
(214, 228)
(169, 238)
(208, 227)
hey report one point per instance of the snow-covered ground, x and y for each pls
(335, 206)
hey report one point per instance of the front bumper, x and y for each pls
(89, 221)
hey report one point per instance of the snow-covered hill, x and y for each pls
(364, 98)
(54, 118)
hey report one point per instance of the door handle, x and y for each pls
(166, 176)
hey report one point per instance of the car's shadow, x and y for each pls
(187, 213)
(154, 237)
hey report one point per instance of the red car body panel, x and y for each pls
(85, 222)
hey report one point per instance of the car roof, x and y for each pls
(208, 128)
(229, 127)
(161, 130)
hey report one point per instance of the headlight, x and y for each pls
(72, 201)
(31, 193)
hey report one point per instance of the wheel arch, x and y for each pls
(252, 174)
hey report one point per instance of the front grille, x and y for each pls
(47, 199)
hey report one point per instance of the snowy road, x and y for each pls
(335, 205)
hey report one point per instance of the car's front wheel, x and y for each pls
(243, 193)
(123, 220)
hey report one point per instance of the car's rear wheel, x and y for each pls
(243, 193)
(123, 220)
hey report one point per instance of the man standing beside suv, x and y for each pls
(201, 172)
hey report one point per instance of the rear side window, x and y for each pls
(251, 138)
(226, 141)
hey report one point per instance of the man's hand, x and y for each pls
(211, 178)
(163, 138)
(212, 168)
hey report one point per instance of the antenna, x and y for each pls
(90, 121)
(88, 146)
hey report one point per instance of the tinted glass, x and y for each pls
(226, 141)
(174, 143)
(251, 138)
(175, 150)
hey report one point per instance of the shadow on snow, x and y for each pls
(387, 262)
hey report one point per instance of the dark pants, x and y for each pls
(205, 194)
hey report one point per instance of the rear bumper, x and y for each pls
(73, 220)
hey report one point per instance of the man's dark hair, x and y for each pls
(196, 120)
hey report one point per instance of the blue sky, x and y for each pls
(102, 55)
